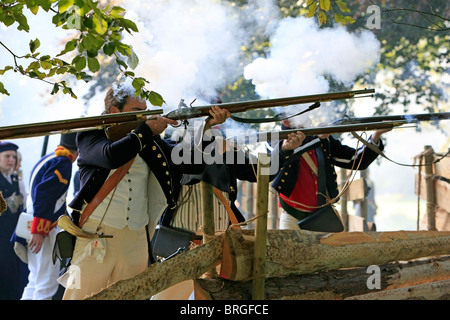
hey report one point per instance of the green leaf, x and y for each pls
(100, 25)
(55, 89)
(23, 23)
(64, 5)
(121, 63)
(34, 45)
(2, 72)
(79, 62)
(128, 24)
(123, 48)
(116, 12)
(93, 64)
(322, 18)
(109, 48)
(92, 43)
(8, 20)
(138, 84)
(312, 9)
(70, 46)
(3, 90)
(342, 6)
(349, 19)
(45, 4)
(325, 5)
(46, 65)
(133, 59)
(156, 99)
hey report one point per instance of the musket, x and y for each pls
(410, 118)
(184, 112)
(283, 134)
(73, 125)
(117, 125)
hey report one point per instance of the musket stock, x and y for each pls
(72, 125)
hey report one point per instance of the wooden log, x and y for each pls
(431, 199)
(439, 290)
(186, 266)
(330, 285)
(303, 252)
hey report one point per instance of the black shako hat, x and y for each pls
(68, 141)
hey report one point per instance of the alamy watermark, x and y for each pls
(374, 20)
(221, 147)
(374, 280)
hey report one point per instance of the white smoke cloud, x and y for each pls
(302, 55)
(185, 47)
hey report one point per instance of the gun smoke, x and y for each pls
(188, 49)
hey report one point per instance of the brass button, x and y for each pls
(159, 155)
(164, 164)
(154, 148)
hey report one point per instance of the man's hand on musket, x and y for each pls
(377, 134)
(217, 116)
(158, 124)
(294, 140)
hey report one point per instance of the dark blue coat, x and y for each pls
(335, 154)
(98, 156)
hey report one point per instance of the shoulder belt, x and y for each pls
(106, 188)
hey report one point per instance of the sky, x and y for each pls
(189, 48)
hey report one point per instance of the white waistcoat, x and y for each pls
(129, 203)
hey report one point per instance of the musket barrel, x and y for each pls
(235, 107)
(283, 134)
(71, 125)
(407, 117)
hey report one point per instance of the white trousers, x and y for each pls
(98, 263)
(42, 284)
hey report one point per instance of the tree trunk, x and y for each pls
(336, 284)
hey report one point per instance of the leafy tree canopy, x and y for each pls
(99, 33)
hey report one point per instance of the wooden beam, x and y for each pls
(303, 252)
(439, 290)
(262, 204)
(331, 285)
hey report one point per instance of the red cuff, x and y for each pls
(41, 226)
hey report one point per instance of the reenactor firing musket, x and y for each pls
(117, 125)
